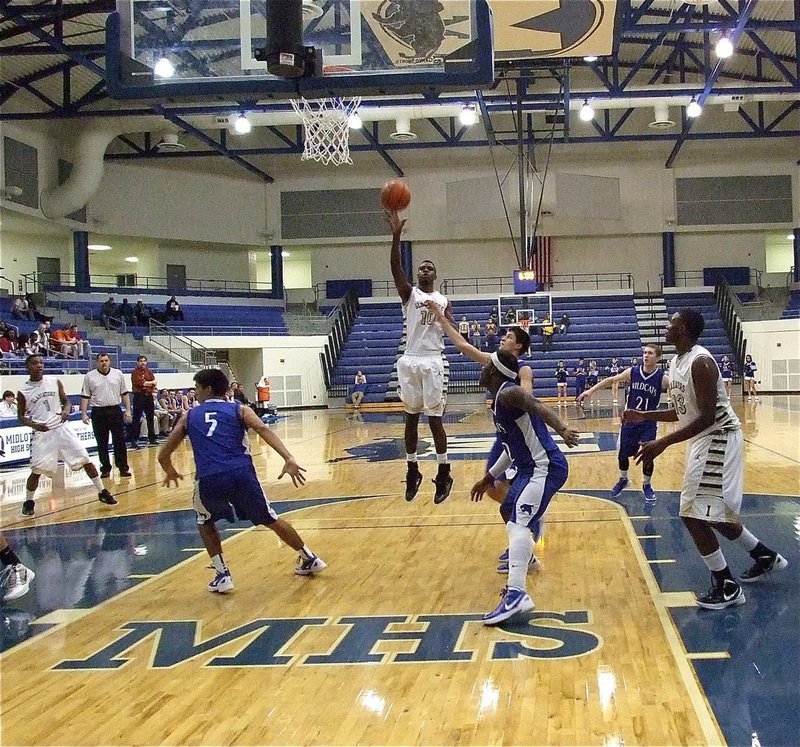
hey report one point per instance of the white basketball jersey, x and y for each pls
(684, 398)
(423, 332)
(42, 401)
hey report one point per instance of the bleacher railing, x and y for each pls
(730, 311)
(181, 348)
(343, 317)
(505, 285)
(35, 282)
(696, 278)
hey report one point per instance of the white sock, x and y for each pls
(306, 553)
(623, 474)
(520, 548)
(442, 458)
(219, 564)
(411, 457)
(646, 479)
(716, 561)
(98, 483)
(29, 495)
(747, 540)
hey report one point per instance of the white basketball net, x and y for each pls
(326, 133)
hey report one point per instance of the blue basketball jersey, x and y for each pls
(644, 391)
(525, 437)
(218, 437)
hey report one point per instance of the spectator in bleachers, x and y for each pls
(548, 330)
(33, 345)
(561, 383)
(8, 406)
(142, 313)
(172, 404)
(463, 328)
(510, 316)
(359, 387)
(475, 334)
(5, 326)
(9, 342)
(563, 325)
(59, 342)
(126, 313)
(34, 309)
(174, 310)
(21, 309)
(613, 370)
(82, 347)
(108, 313)
(491, 335)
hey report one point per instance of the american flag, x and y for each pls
(538, 258)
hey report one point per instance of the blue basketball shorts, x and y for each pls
(232, 495)
(531, 492)
(633, 434)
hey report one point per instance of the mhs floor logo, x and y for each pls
(542, 635)
(464, 446)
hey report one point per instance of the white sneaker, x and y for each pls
(308, 567)
(16, 581)
(222, 582)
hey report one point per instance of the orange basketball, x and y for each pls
(395, 195)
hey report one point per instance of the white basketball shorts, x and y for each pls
(714, 478)
(422, 384)
(47, 447)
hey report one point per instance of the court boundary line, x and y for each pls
(709, 725)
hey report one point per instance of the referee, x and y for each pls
(104, 389)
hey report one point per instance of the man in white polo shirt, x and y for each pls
(104, 389)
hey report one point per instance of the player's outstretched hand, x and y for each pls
(582, 396)
(294, 470)
(570, 437)
(480, 487)
(648, 451)
(632, 416)
(394, 221)
(172, 476)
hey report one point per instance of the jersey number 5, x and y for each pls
(211, 419)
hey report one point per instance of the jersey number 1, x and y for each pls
(211, 419)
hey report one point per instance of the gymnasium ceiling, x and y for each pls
(661, 53)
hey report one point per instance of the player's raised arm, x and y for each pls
(400, 280)
(515, 397)
(607, 382)
(452, 332)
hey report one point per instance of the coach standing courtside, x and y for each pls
(104, 389)
(143, 384)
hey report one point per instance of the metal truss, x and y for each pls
(659, 54)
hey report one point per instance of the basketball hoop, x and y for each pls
(326, 134)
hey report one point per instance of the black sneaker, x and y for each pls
(726, 594)
(444, 484)
(28, 508)
(125, 473)
(105, 473)
(764, 564)
(413, 481)
(105, 497)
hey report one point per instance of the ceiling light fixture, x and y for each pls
(724, 48)
(99, 247)
(590, 58)
(354, 121)
(586, 113)
(790, 237)
(694, 109)
(468, 115)
(164, 68)
(242, 125)
(132, 260)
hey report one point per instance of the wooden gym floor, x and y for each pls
(119, 643)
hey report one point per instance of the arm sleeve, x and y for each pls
(501, 465)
